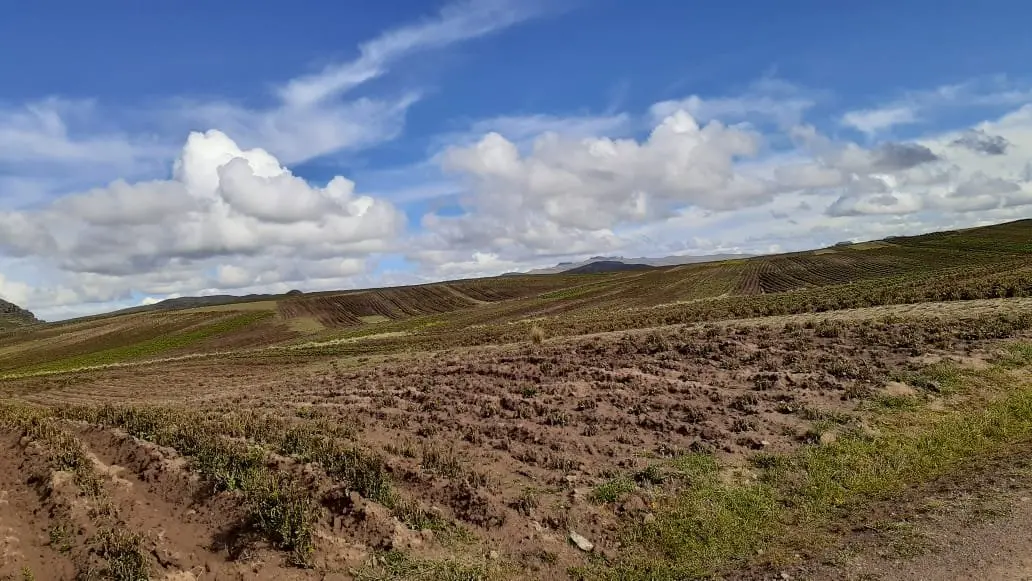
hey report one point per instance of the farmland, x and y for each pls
(740, 418)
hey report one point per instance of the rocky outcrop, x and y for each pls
(11, 315)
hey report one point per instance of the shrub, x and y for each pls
(537, 335)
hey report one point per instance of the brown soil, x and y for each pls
(188, 532)
(507, 441)
(25, 522)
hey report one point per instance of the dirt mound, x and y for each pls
(27, 527)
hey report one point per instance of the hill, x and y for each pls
(13, 316)
(673, 422)
(604, 266)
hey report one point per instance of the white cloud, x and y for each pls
(873, 121)
(591, 182)
(225, 209)
(768, 98)
(63, 131)
(455, 22)
(739, 173)
(299, 133)
(688, 188)
(986, 93)
(519, 128)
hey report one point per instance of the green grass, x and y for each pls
(706, 524)
(395, 565)
(148, 348)
(1015, 355)
(612, 490)
(943, 377)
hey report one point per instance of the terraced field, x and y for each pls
(745, 419)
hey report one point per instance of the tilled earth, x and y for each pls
(506, 444)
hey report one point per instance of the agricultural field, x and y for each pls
(826, 414)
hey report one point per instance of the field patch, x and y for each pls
(235, 307)
(147, 348)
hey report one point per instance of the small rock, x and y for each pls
(785, 576)
(828, 438)
(649, 518)
(571, 478)
(581, 542)
(1025, 498)
(764, 443)
(493, 555)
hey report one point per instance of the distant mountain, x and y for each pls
(11, 316)
(664, 261)
(602, 266)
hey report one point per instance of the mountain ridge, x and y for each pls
(644, 261)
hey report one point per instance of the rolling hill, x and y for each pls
(604, 266)
(988, 262)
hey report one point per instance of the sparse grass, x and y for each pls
(943, 377)
(706, 524)
(61, 535)
(442, 460)
(280, 508)
(124, 555)
(612, 490)
(395, 565)
(1015, 355)
(898, 402)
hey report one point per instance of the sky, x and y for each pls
(157, 150)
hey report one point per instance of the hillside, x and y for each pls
(678, 422)
(604, 266)
(13, 316)
(987, 262)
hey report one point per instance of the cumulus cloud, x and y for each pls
(592, 182)
(223, 203)
(727, 174)
(552, 197)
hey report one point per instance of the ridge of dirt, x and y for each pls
(25, 521)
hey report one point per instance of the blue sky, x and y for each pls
(475, 137)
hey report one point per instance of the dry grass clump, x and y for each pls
(537, 335)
